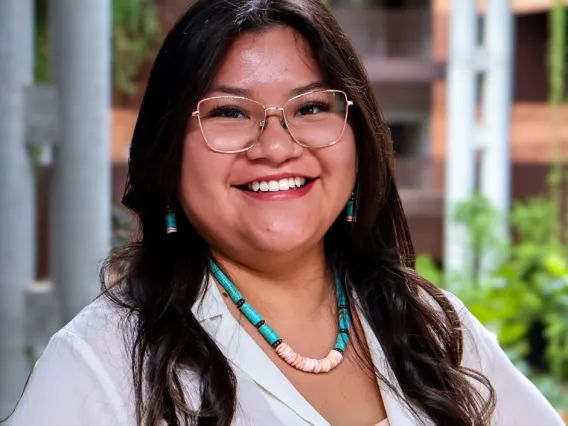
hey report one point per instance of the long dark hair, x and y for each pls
(160, 277)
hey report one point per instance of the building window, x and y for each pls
(405, 138)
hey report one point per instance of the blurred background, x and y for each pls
(474, 93)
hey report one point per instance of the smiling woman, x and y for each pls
(273, 281)
(302, 133)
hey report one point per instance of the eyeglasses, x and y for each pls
(232, 124)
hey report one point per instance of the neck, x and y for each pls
(284, 286)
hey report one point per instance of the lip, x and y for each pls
(281, 195)
(275, 177)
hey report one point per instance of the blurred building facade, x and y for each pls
(531, 135)
(404, 46)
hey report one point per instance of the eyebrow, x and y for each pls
(230, 90)
(247, 93)
(316, 85)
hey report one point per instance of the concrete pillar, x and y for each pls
(81, 215)
(459, 179)
(17, 196)
(495, 177)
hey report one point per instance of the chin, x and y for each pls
(281, 242)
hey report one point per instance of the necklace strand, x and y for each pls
(308, 365)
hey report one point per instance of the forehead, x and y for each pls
(274, 59)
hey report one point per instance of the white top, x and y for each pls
(84, 376)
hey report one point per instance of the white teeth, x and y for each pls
(277, 185)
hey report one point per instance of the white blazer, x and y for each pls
(84, 376)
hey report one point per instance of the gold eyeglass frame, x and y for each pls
(283, 122)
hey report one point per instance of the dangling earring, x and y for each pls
(171, 226)
(351, 209)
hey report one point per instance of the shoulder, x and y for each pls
(98, 341)
(479, 344)
(469, 322)
(101, 324)
(101, 333)
(518, 401)
(84, 374)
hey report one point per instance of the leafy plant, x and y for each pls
(135, 28)
(428, 269)
(41, 41)
(557, 57)
(135, 32)
(526, 290)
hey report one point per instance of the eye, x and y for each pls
(228, 112)
(312, 108)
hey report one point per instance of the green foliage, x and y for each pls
(428, 269)
(122, 226)
(557, 58)
(481, 219)
(41, 41)
(555, 260)
(135, 33)
(528, 286)
(135, 28)
(557, 52)
(529, 283)
(550, 389)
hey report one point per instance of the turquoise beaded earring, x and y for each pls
(350, 208)
(171, 225)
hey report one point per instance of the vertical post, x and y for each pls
(496, 100)
(81, 217)
(423, 151)
(17, 196)
(461, 105)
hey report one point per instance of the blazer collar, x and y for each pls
(246, 355)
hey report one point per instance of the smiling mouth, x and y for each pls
(287, 184)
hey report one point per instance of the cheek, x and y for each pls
(340, 161)
(203, 176)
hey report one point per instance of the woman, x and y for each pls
(273, 281)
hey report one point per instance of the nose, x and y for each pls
(275, 144)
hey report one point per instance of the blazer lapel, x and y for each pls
(246, 355)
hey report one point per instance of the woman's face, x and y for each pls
(216, 191)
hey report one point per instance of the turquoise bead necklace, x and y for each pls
(308, 365)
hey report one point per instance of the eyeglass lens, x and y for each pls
(231, 124)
